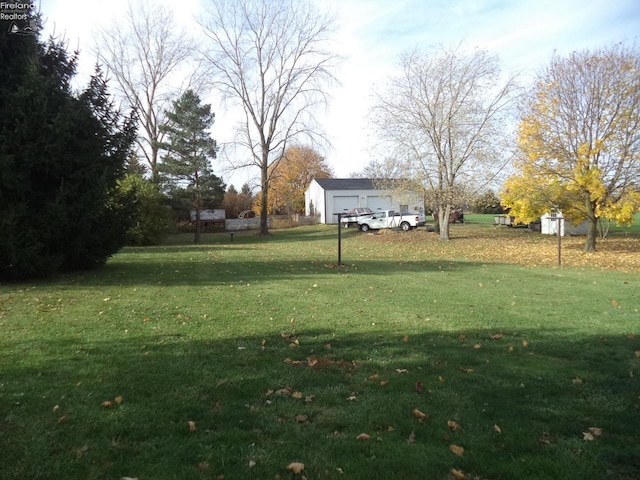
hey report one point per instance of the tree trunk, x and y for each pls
(592, 232)
(264, 225)
(196, 239)
(443, 221)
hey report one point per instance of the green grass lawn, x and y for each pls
(452, 366)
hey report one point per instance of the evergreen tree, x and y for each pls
(152, 220)
(60, 158)
(186, 168)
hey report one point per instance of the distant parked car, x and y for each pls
(456, 215)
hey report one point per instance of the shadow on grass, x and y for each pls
(212, 271)
(542, 389)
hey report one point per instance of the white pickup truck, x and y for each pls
(391, 219)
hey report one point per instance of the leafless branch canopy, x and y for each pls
(145, 53)
(446, 115)
(268, 58)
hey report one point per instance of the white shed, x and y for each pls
(327, 197)
(549, 225)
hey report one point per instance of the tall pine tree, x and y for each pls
(60, 158)
(186, 168)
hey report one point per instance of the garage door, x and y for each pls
(376, 203)
(341, 204)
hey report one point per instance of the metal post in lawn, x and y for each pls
(559, 219)
(339, 239)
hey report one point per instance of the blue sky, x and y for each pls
(371, 35)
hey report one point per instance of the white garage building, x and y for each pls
(329, 196)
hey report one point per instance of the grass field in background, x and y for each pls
(415, 359)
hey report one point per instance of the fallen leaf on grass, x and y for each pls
(595, 431)
(284, 391)
(192, 426)
(129, 478)
(457, 450)
(118, 400)
(477, 346)
(525, 343)
(587, 436)
(466, 370)
(374, 377)
(296, 467)
(440, 378)
(402, 370)
(301, 418)
(412, 438)
(107, 404)
(203, 466)
(405, 339)
(297, 395)
(418, 386)
(576, 380)
(383, 382)
(497, 429)
(496, 336)
(252, 463)
(419, 415)
(455, 427)
(363, 437)
(82, 450)
(457, 474)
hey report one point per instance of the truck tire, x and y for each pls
(364, 227)
(405, 226)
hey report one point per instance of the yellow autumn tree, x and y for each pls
(579, 139)
(289, 179)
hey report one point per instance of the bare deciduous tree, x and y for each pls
(445, 117)
(269, 58)
(144, 53)
(385, 169)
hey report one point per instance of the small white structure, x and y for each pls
(327, 197)
(549, 223)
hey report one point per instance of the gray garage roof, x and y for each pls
(346, 183)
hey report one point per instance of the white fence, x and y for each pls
(273, 221)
